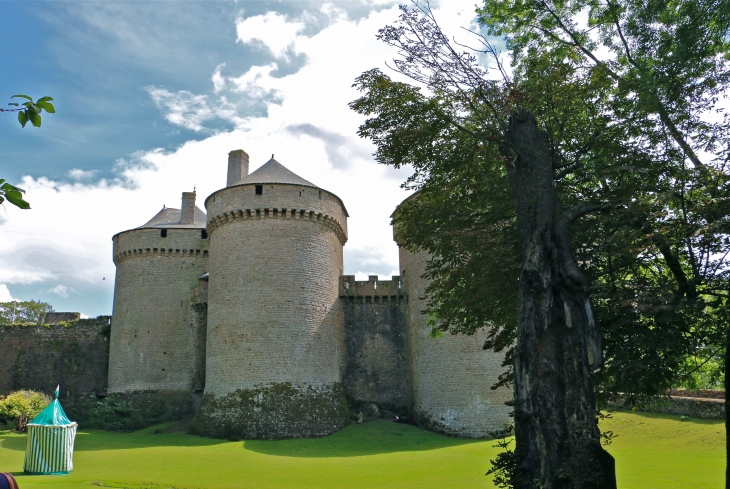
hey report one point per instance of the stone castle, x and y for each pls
(246, 312)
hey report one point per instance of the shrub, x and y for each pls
(22, 406)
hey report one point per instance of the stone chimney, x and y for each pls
(187, 209)
(237, 166)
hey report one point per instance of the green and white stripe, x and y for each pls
(50, 449)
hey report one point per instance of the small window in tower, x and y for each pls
(259, 189)
(203, 234)
(163, 233)
(320, 194)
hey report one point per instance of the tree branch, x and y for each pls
(579, 210)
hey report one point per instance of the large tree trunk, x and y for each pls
(558, 342)
(727, 408)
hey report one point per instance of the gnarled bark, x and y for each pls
(558, 341)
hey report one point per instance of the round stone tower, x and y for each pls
(275, 341)
(153, 343)
(451, 375)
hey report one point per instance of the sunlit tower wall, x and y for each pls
(451, 375)
(153, 342)
(275, 335)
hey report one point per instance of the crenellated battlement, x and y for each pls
(373, 289)
(281, 213)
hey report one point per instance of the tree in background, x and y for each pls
(23, 312)
(29, 111)
(617, 146)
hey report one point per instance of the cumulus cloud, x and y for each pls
(5, 295)
(78, 174)
(219, 81)
(61, 291)
(182, 108)
(341, 150)
(272, 32)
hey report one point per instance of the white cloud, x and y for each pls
(61, 291)
(219, 82)
(5, 295)
(271, 31)
(182, 108)
(78, 174)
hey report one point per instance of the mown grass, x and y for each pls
(652, 451)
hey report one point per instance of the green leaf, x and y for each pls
(6, 187)
(20, 95)
(47, 106)
(45, 99)
(22, 118)
(13, 104)
(35, 118)
(16, 198)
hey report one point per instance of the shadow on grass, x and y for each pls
(163, 435)
(371, 438)
(375, 437)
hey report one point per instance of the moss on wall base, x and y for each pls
(273, 412)
(131, 410)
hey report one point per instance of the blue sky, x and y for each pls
(151, 96)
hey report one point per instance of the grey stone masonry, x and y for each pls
(237, 166)
(376, 369)
(451, 375)
(152, 338)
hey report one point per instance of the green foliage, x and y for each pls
(702, 371)
(625, 132)
(504, 466)
(120, 412)
(22, 406)
(32, 110)
(22, 312)
(12, 194)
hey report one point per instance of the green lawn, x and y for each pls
(651, 450)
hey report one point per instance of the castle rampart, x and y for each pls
(376, 369)
(74, 355)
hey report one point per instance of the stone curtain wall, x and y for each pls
(376, 367)
(693, 407)
(74, 356)
(452, 375)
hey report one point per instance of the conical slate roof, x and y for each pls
(169, 217)
(274, 172)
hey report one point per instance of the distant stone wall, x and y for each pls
(58, 317)
(74, 356)
(376, 369)
(693, 407)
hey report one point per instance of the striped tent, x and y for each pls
(50, 446)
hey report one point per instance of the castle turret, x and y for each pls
(274, 341)
(153, 342)
(451, 375)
